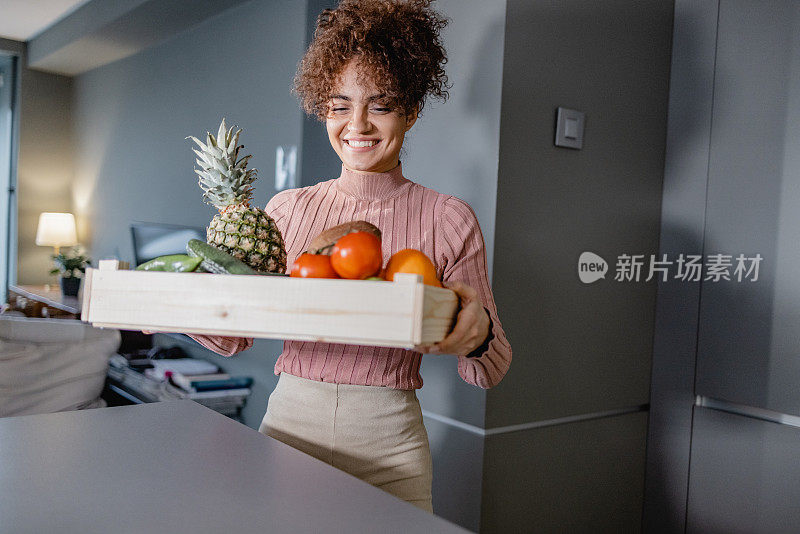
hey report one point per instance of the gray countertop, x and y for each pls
(179, 467)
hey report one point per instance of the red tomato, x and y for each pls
(313, 266)
(357, 255)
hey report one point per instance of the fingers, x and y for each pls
(466, 333)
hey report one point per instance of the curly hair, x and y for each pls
(397, 46)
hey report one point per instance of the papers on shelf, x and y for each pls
(184, 366)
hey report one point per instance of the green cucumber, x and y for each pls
(216, 261)
(175, 263)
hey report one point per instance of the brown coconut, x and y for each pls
(323, 243)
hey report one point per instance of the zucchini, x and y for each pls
(175, 263)
(216, 261)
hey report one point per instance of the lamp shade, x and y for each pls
(56, 230)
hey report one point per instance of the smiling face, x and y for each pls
(363, 130)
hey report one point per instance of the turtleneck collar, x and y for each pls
(371, 186)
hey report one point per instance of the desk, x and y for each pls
(44, 301)
(179, 467)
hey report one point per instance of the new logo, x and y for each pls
(591, 267)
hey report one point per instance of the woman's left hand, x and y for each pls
(472, 324)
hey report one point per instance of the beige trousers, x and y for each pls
(373, 433)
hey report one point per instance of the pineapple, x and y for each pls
(246, 233)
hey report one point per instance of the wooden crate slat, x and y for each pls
(245, 303)
(277, 335)
(87, 291)
(399, 314)
(440, 306)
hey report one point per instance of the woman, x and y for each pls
(367, 74)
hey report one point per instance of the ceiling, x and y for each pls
(23, 19)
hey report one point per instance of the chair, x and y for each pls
(52, 365)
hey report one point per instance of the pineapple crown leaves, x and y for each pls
(224, 177)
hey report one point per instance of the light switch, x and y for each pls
(569, 128)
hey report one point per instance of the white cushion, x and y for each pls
(52, 365)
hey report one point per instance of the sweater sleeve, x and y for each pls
(230, 345)
(463, 255)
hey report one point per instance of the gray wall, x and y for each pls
(734, 156)
(454, 147)
(9, 46)
(580, 351)
(45, 170)
(748, 336)
(682, 221)
(318, 161)
(131, 118)
(744, 475)
(579, 477)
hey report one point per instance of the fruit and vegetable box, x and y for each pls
(234, 284)
(401, 313)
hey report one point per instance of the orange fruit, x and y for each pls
(412, 261)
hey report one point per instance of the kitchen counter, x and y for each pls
(179, 467)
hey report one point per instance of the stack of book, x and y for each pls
(182, 378)
(219, 391)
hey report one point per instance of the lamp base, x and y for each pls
(70, 286)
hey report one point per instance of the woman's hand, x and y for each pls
(472, 325)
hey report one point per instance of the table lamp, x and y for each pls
(56, 230)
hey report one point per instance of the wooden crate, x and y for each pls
(403, 313)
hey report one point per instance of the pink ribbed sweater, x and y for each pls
(409, 216)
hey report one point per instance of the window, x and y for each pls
(7, 172)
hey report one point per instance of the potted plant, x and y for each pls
(70, 266)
